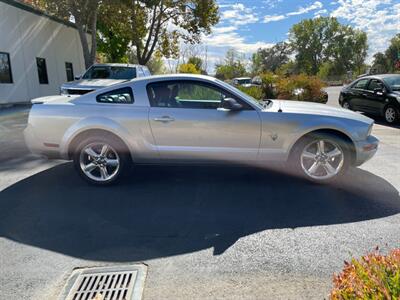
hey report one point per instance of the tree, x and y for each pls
(113, 35)
(393, 52)
(270, 59)
(233, 66)
(380, 65)
(155, 64)
(197, 62)
(188, 68)
(324, 39)
(151, 19)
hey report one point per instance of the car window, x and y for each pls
(393, 82)
(361, 84)
(121, 96)
(187, 94)
(140, 72)
(375, 84)
(106, 72)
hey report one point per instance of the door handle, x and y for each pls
(164, 119)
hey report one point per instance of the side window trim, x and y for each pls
(116, 91)
(203, 83)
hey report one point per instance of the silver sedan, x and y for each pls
(195, 119)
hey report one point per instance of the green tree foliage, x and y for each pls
(270, 59)
(197, 62)
(393, 52)
(113, 35)
(188, 68)
(150, 19)
(380, 65)
(232, 66)
(155, 64)
(324, 39)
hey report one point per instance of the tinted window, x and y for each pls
(361, 84)
(5, 68)
(393, 82)
(70, 71)
(42, 70)
(106, 72)
(375, 84)
(122, 96)
(186, 94)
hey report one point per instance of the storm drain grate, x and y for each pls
(106, 283)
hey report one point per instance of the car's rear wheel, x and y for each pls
(100, 161)
(346, 104)
(390, 114)
(321, 158)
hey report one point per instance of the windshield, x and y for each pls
(393, 82)
(244, 81)
(106, 72)
(243, 95)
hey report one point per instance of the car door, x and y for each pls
(188, 124)
(358, 95)
(375, 100)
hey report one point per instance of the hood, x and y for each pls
(54, 100)
(91, 83)
(301, 107)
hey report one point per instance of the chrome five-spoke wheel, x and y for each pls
(322, 159)
(99, 162)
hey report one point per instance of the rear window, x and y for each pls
(118, 96)
(106, 72)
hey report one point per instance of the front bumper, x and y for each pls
(365, 149)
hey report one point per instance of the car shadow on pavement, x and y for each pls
(160, 211)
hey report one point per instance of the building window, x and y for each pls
(70, 71)
(42, 70)
(5, 68)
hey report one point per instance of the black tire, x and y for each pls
(297, 161)
(391, 114)
(115, 146)
(346, 105)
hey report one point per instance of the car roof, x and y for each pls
(378, 76)
(177, 76)
(118, 65)
(241, 78)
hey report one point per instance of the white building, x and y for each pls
(38, 53)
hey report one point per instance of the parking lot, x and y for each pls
(204, 232)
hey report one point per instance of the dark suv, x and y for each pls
(375, 94)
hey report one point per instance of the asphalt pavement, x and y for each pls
(204, 232)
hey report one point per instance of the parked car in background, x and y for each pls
(195, 119)
(102, 75)
(242, 81)
(375, 94)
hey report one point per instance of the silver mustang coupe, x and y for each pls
(195, 119)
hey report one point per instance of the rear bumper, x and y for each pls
(36, 145)
(366, 149)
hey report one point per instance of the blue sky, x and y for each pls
(247, 25)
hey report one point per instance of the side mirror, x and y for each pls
(231, 104)
(78, 77)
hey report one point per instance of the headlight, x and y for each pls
(63, 91)
(370, 130)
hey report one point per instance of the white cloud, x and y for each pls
(273, 18)
(380, 19)
(238, 14)
(304, 10)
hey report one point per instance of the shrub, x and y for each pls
(189, 69)
(374, 276)
(310, 86)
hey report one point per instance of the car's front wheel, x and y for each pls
(100, 161)
(321, 158)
